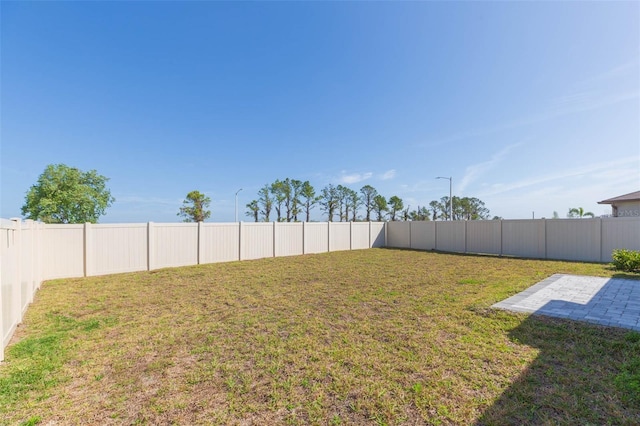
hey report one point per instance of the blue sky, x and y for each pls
(531, 107)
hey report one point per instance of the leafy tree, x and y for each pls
(310, 200)
(194, 207)
(253, 210)
(368, 195)
(436, 210)
(296, 202)
(380, 206)
(279, 191)
(265, 201)
(348, 202)
(329, 199)
(444, 210)
(353, 202)
(395, 205)
(421, 214)
(555, 215)
(66, 194)
(463, 209)
(470, 209)
(405, 214)
(579, 213)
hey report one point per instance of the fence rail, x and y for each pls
(588, 240)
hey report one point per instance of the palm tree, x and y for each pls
(579, 212)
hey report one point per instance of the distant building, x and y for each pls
(627, 205)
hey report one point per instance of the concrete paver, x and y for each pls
(605, 301)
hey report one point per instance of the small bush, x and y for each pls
(626, 260)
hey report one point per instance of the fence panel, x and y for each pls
(340, 233)
(524, 238)
(423, 235)
(359, 235)
(9, 286)
(26, 266)
(31, 257)
(114, 248)
(450, 236)
(316, 238)
(398, 234)
(219, 242)
(288, 239)
(484, 236)
(174, 244)
(257, 240)
(63, 251)
(619, 233)
(573, 239)
(378, 234)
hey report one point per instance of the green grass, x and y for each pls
(363, 337)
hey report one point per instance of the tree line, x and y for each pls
(66, 194)
(292, 200)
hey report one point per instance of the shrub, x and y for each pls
(626, 260)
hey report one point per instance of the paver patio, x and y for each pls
(605, 301)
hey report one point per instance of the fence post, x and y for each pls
(435, 235)
(384, 227)
(600, 223)
(328, 236)
(88, 244)
(501, 238)
(544, 221)
(410, 236)
(370, 244)
(350, 236)
(150, 246)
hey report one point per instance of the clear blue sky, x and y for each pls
(531, 107)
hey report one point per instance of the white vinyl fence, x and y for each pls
(33, 252)
(589, 240)
(20, 273)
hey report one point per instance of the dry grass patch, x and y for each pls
(373, 336)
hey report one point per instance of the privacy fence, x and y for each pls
(589, 240)
(32, 252)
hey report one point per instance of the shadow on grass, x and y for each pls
(584, 374)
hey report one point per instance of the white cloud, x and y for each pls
(354, 177)
(591, 169)
(559, 107)
(626, 69)
(389, 174)
(474, 171)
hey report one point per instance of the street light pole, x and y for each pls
(237, 203)
(450, 195)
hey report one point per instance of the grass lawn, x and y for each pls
(374, 336)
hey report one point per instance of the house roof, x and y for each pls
(632, 196)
